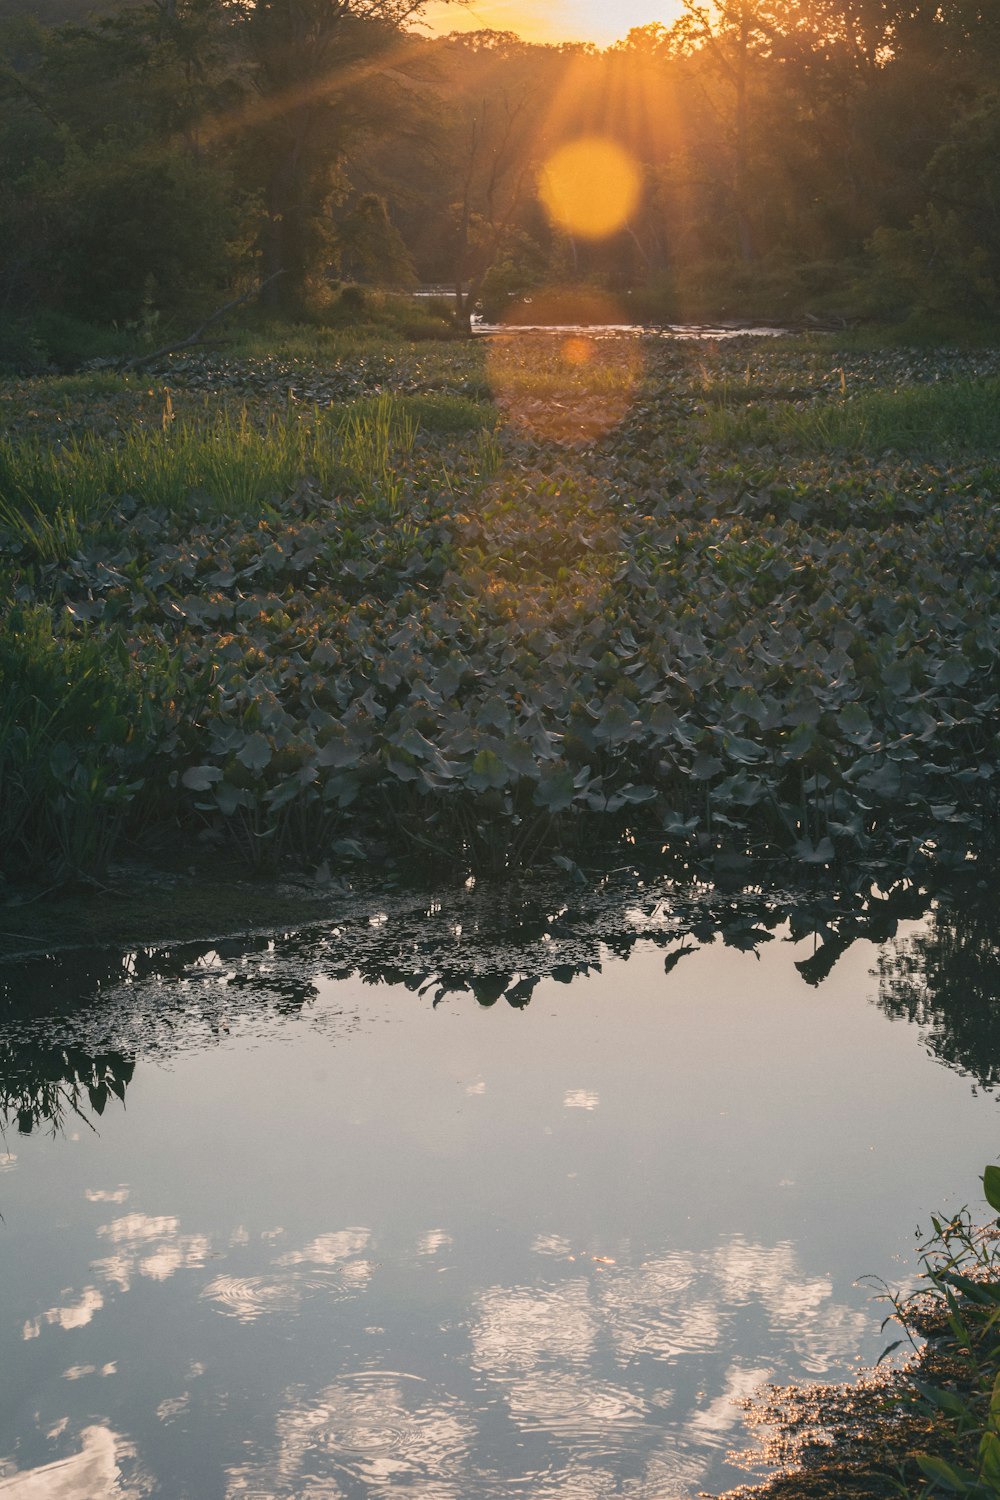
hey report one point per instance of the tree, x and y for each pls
(113, 204)
(323, 72)
(731, 37)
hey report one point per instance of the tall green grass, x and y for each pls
(50, 495)
(79, 726)
(960, 416)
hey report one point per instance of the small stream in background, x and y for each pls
(470, 1197)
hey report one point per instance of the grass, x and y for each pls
(954, 416)
(225, 465)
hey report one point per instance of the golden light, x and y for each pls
(559, 376)
(577, 350)
(590, 187)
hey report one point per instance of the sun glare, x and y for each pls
(590, 187)
(571, 388)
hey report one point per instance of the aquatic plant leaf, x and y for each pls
(256, 753)
(855, 721)
(815, 854)
(201, 778)
(744, 752)
(488, 770)
(636, 794)
(518, 756)
(953, 671)
(339, 751)
(228, 798)
(556, 789)
(991, 1186)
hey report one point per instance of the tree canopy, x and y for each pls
(842, 153)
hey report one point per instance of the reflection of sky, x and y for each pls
(94, 1473)
(150, 1247)
(357, 1276)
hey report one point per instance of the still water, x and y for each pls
(315, 1225)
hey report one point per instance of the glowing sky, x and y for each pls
(600, 21)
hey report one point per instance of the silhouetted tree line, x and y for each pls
(796, 155)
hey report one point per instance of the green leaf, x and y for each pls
(991, 1187)
(488, 770)
(942, 1473)
(556, 790)
(854, 721)
(228, 798)
(200, 778)
(630, 793)
(256, 753)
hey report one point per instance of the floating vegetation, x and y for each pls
(330, 611)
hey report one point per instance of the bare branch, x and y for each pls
(194, 338)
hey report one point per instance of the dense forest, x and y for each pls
(794, 159)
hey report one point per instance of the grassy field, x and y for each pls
(327, 595)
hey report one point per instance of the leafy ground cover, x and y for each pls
(502, 600)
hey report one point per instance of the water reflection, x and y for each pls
(45, 1085)
(945, 978)
(384, 1431)
(487, 942)
(104, 1469)
(148, 1246)
(539, 1254)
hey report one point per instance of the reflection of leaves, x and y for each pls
(40, 1085)
(746, 939)
(498, 943)
(946, 980)
(671, 960)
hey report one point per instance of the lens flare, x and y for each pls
(577, 350)
(571, 374)
(590, 187)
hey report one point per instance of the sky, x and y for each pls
(600, 21)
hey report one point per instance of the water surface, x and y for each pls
(278, 1229)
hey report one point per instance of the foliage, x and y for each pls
(797, 161)
(79, 726)
(412, 625)
(949, 418)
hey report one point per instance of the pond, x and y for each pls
(416, 1204)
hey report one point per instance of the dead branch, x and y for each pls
(195, 338)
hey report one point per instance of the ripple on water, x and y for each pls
(249, 1297)
(380, 1429)
(590, 1413)
(659, 1309)
(516, 1328)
